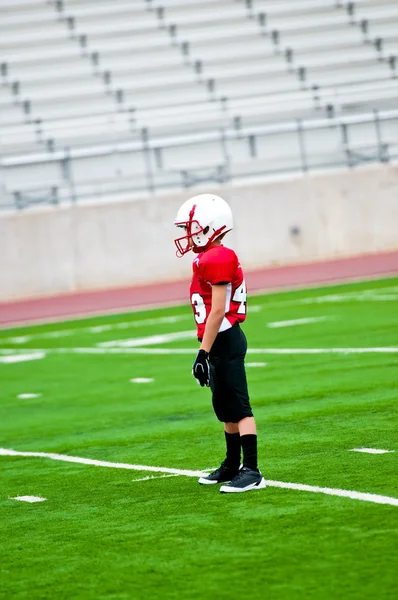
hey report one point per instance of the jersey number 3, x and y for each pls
(240, 296)
(200, 308)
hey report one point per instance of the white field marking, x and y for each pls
(378, 350)
(142, 380)
(20, 339)
(155, 477)
(15, 358)
(30, 499)
(376, 498)
(371, 450)
(100, 463)
(256, 364)
(182, 303)
(343, 298)
(149, 340)
(61, 333)
(365, 497)
(292, 322)
(189, 351)
(369, 295)
(28, 396)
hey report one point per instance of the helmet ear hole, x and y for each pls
(206, 230)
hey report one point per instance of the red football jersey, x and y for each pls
(217, 265)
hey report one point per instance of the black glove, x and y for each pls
(201, 368)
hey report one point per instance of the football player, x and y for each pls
(218, 299)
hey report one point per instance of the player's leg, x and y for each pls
(230, 465)
(233, 447)
(240, 412)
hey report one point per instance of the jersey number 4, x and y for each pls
(240, 296)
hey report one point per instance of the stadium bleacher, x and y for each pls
(100, 98)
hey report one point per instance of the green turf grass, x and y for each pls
(101, 534)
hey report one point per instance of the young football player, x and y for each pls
(218, 299)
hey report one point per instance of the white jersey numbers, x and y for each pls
(240, 296)
(199, 307)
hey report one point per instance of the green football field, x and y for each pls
(134, 524)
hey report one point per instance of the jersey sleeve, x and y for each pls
(220, 268)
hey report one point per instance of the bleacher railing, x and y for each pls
(242, 152)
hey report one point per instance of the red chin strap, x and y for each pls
(181, 250)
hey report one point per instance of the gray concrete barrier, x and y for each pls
(54, 250)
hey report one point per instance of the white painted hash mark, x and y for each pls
(142, 380)
(30, 499)
(256, 364)
(155, 477)
(371, 450)
(16, 358)
(365, 497)
(292, 322)
(28, 396)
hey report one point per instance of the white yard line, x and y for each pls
(255, 308)
(93, 329)
(281, 351)
(335, 298)
(375, 294)
(100, 463)
(383, 294)
(292, 322)
(22, 357)
(365, 497)
(13, 354)
(176, 303)
(150, 340)
(376, 498)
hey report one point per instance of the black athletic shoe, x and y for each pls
(245, 480)
(221, 475)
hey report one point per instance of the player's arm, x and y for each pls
(216, 315)
(201, 369)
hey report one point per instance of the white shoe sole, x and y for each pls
(204, 481)
(253, 486)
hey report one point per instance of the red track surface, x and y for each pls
(117, 300)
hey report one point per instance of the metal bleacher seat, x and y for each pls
(169, 92)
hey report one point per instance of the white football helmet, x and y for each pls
(204, 218)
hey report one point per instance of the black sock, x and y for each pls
(249, 447)
(233, 449)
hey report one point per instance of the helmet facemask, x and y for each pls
(203, 225)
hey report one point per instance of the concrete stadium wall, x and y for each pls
(66, 249)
